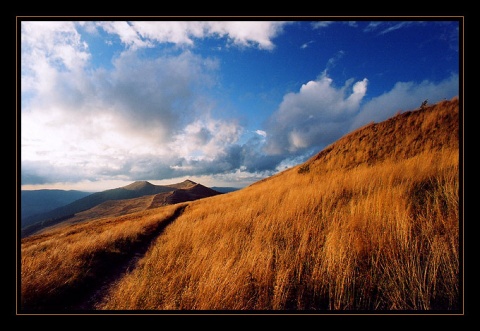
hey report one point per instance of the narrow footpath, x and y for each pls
(95, 294)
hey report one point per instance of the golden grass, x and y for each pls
(346, 241)
(371, 223)
(57, 263)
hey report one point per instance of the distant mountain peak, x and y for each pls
(186, 184)
(139, 184)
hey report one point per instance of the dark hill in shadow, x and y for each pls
(134, 197)
(35, 202)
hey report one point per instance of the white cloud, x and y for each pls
(261, 133)
(332, 62)
(126, 32)
(396, 27)
(320, 113)
(406, 96)
(321, 24)
(324, 24)
(248, 33)
(138, 34)
(49, 48)
(151, 98)
(373, 26)
(158, 95)
(57, 41)
(179, 32)
(386, 26)
(205, 139)
(117, 123)
(314, 116)
(305, 45)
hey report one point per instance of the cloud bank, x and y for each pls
(314, 116)
(405, 96)
(139, 34)
(151, 117)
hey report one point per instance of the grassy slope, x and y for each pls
(60, 265)
(369, 223)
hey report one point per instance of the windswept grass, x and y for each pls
(370, 223)
(360, 227)
(60, 266)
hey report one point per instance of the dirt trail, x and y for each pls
(97, 292)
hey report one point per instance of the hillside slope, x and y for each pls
(134, 190)
(113, 202)
(369, 223)
(114, 208)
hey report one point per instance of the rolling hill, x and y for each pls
(183, 192)
(41, 201)
(139, 195)
(370, 223)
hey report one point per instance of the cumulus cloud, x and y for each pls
(137, 34)
(405, 96)
(48, 49)
(200, 148)
(320, 113)
(313, 116)
(139, 99)
(150, 118)
(205, 139)
(142, 117)
(99, 122)
(159, 95)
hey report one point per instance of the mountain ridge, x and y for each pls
(132, 191)
(138, 185)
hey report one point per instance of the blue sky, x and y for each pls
(224, 103)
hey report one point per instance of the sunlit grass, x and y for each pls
(372, 223)
(349, 241)
(56, 264)
(383, 236)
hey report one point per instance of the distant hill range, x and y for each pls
(137, 196)
(41, 201)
